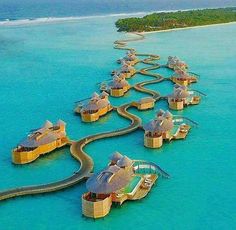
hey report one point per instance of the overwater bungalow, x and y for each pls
(39, 142)
(175, 62)
(118, 86)
(164, 127)
(181, 97)
(97, 106)
(145, 103)
(123, 179)
(181, 77)
(130, 58)
(127, 70)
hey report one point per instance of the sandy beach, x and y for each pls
(186, 28)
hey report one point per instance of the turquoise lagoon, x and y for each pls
(45, 68)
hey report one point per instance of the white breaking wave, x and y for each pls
(8, 22)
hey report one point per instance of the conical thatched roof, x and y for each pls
(93, 106)
(95, 95)
(119, 82)
(180, 92)
(104, 94)
(42, 136)
(102, 103)
(124, 162)
(166, 125)
(162, 123)
(123, 62)
(131, 57)
(116, 156)
(126, 68)
(180, 63)
(97, 102)
(47, 124)
(160, 113)
(168, 115)
(109, 180)
(61, 123)
(131, 51)
(181, 73)
(151, 126)
(176, 61)
(172, 60)
(182, 87)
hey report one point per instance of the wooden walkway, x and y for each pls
(76, 147)
(78, 153)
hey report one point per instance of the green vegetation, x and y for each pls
(180, 19)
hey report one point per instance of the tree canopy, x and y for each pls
(179, 19)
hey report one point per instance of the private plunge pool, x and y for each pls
(132, 187)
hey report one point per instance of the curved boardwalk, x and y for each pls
(121, 44)
(139, 87)
(77, 152)
(158, 78)
(77, 147)
(86, 167)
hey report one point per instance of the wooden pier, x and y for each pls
(77, 147)
(86, 162)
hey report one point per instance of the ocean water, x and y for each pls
(31, 9)
(45, 68)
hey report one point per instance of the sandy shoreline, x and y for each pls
(186, 28)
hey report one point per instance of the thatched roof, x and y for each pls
(124, 162)
(47, 124)
(109, 180)
(126, 68)
(172, 60)
(180, 63)
(168, 115)
(104, 94)
(151, 126)
(160, 113)
(181, 74)
(118, 82)
(175, 61)
(131, 51)
(180, 92)
(61, 123)
(42, 136)
(102, 103)
(96, 102)
(95, 95)
(130, 56)
(91, 106)
(162, 123)
(116, 156)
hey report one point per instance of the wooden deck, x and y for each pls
(196, 100)
(144, 188)
(77, 147)
(184, 130)
(141, 192)
(78, 153)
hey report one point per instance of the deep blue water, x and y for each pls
(21, 9)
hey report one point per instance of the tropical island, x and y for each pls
(179, 19)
